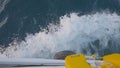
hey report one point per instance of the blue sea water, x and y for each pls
(83, 26)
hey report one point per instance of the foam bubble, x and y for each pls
(76, 33)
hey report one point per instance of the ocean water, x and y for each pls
(40, 28)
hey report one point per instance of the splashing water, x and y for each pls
(88, 34)
(3, 4)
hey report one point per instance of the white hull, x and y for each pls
(35, 63)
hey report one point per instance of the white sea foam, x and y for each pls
(2, 23)
(73, 33)
(3, 4)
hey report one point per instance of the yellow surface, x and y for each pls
(79, 61)
(114, 59)
(76, 61)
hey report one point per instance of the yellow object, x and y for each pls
(76, 61)
(94, 56)
(113, 59)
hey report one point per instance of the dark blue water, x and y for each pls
(28, 16)
(21, 17)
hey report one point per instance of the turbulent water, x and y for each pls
(39, 29)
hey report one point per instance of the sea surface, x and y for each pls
(40, 28)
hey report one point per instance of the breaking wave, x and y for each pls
(97, 33)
